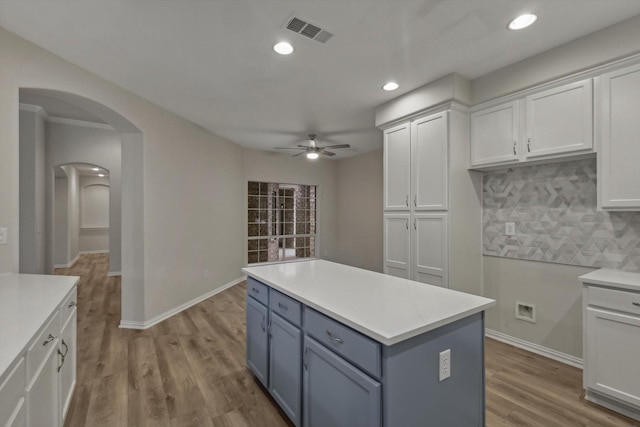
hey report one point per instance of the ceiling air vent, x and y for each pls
(303, 27)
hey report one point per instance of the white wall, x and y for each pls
(190, 191)
(60, 223)
(359, 182)
(93, 239)
(284, 169)
(32, 188)
(68, 144)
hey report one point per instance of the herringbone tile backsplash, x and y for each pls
(555, 213)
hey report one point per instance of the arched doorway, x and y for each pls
(39, 169)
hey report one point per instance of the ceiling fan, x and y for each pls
(312, 150)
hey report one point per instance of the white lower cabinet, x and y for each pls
(67, 370)
(612, 347)
(42, 392)
(37, 390)
(416, 247)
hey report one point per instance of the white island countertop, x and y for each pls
(386, 308)
(613, 278)
(26, 302)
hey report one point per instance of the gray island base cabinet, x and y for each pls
(323, 372)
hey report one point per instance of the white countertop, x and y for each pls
(385, 308)
(26, 302)
(613, 278)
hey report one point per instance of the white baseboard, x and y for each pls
(134, 324)
(114, 273)
(102, 251)
(70, 264)
(535, 348)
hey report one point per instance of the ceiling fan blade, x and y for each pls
(286, 148)
(327, 153)
(299, 154)
(306, 147)
(338, 146)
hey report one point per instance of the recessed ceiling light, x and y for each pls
(95, 169)
(283, 48)
(312, 155)
(390, 86)
(100, 175)
(522, 21)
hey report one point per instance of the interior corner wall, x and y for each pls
(32, 191)
(282, 168)
(359, 200)
(68, 144)
(185, 182)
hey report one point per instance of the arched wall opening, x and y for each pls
(130, 248)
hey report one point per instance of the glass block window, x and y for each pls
(281, 221)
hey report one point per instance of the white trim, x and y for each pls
(114, 273)
(102, 251)
(81, 123)
(558, 356)
(32, 108)
(135, 324)
(69, 264)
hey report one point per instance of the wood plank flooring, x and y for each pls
(189, 370)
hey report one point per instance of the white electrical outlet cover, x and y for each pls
(445, 365)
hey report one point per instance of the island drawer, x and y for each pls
(353, 346)
(286, 307)
(41, 345)
(11, 390)
(614, 299)
(68, 305)
(258, 290)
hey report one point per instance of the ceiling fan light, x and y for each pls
(312, 155)
(389, 86)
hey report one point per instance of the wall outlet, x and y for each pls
(445, 364)
(3, 236)
(509, 228)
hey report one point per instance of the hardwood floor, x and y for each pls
(189, 370)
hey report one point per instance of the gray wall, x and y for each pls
(359, 211)
(73, 212)
(68, 144)
(32, 190)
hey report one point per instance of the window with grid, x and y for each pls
(281, 221)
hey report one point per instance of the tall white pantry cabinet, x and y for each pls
(432, 202)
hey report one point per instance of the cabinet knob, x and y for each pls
(283, 306)
(72, 304)
(528, 146)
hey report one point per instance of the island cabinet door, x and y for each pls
(285, 366)
(257, 340)
(335, 393)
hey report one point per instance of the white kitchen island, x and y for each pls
(341, 346)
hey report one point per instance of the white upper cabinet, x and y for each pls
(495, 134)
(544, 125)
(430, 157)
(560, 120)
(618, 127)
(397, 167)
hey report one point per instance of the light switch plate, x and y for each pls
(3, 236)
